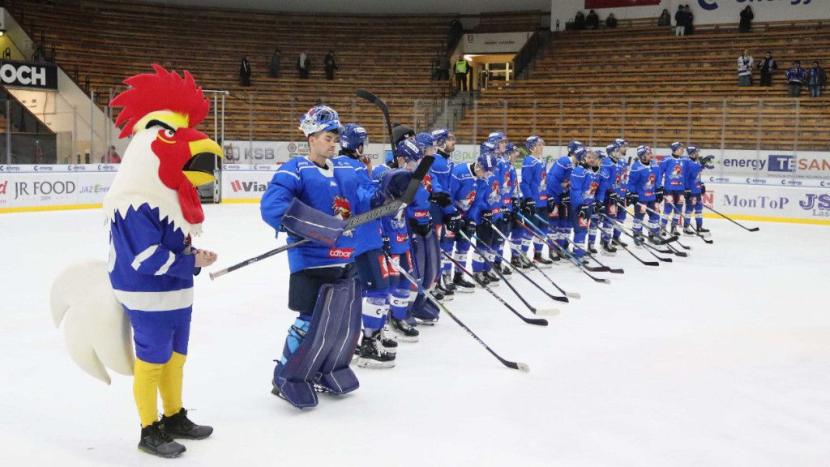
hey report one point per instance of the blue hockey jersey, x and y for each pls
(324, 189)
(693, 174)
(509, 186)
(674, 173)
(559, 177)
(440, 173)
(534, 181)
(369, 234)
(464, 188)
(418, 209)
(393, 227)
(607, 175)
(584, 186)
(150, 267)
(644, 180)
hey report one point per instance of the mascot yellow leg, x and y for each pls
(145, 390)
(170, 384)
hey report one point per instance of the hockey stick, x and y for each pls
(753, 229)
(542, 312)
(535, 266)
(572, 258)
(384, 210)
(380, 104)
(641, 242)
(602, 268)
(507, 363)
(536, 321)
(562, 251)
(622, 230)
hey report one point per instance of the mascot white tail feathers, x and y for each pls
(96, 327)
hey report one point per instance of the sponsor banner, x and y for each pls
(244, 154)
(245, 184)
(785, 202)
(597, 4)
(44, 189)
(42, 76)
(58, 168)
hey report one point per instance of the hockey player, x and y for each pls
(442, 206)
(535, 196)
(424, 248)
(615, 196)
(559, 196)
(510, 194)
(675, 172)
(584, 187)
(694, 189)
(396, 245)
(465, 187)
(375, 349)
(644, 181)
(605, 175)
(322, 340)
(502, 211)
(488, 207)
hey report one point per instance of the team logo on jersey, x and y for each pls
(677, 170)
(592, 188)
(494, 193)
(427, 182)
(342, 253)
(650, 182)
(341, 207)
(400, 238)
(544, 184)
(506, 185)
(466, 202)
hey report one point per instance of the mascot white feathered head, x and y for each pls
(166, 159)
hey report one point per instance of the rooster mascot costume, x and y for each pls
(152, 209)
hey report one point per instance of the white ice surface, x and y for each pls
(719, 359)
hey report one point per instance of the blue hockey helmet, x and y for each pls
(532, 141)
(352, 136)
(691, 149)
(600, 153)
(441, 135)
(579, 153)
(675, 146)
(424, 141)
(320, 118)
(642, 150)
(509, 148)
(496, 137)
(409, 151)
(487, 161)
(487, 148)
(611, 148)
(620, 142)
(573, 146)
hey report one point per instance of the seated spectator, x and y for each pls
(592, 21)
(611, 21)
(745, 69)
(817, 80)
(664, 19)
(746, 19)
(795, 78)
(579, 21)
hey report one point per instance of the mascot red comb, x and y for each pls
(153, 209)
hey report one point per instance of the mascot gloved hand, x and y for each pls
(146, 286)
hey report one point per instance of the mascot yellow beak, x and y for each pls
(202, 164)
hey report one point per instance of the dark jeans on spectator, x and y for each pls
(460, 81)
(793, 89)
(815, 90)
(766, 79)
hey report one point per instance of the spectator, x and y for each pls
(745, 69)
(690, 21)
(443, 67)
(579, 21)
(245, 72)
(330, 65)
(592, 21)
(664, 19)
(768, 67)
(795, 78)
(746, 19)
(817, 80)
(611, 21)
(276, 59)
(680, 21)
(111, 157)
(456, 30)
(461, 70)
(303, 64)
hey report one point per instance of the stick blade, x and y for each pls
(573, 295)
(523, 367)
(547, 312)
(602, 281)
(754, 229)
(651, 263)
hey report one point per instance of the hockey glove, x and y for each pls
(566, 198)
(440, 198)
(387, 247)
(487, 218)
(528, 208)
(470, 228)
(584, 214)
(598, 207)
(632, 198)
(614, 198)
(702, 188)
(687, 194)
(453, 222)
(507, 216)
(551, 204)
(658, 195)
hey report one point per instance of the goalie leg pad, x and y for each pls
(304, 221)
(336, 376)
